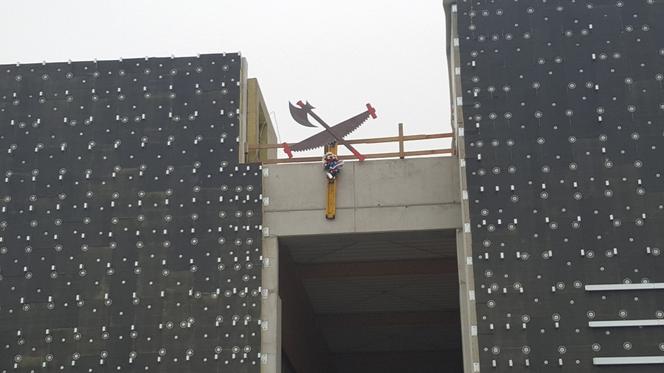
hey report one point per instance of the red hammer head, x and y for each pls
(371, 111)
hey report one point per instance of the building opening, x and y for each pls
(379, 302)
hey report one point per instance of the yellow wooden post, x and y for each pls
(331, 209)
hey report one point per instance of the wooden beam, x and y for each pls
(402, 155)
(449, 318)
(374, 269)
(331, 207)
(379, 140)
(375, 140)
(368, 156)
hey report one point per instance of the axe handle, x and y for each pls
(338, 139)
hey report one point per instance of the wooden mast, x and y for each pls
(331, 209)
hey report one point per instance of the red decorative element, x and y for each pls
(359, 156)
(372, 111)
(300, 104)
(288, 150)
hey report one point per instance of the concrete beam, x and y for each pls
(372, 196)
(379, 268)
(398, 361)
(380, 319)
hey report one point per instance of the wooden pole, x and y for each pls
(401, 148)
(412, 153)
(331, 208)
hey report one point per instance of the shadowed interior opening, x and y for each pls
(379, 302)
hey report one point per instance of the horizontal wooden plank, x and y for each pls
(368, 156)
(375, 140)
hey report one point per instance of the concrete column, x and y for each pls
(467, 310)
(270, 308)
(470, 344)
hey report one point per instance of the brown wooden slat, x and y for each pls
(375, 140)
(368, 156)
(402, 154)
(379, 140)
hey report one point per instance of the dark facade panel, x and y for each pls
(129, 234)
(563, 107)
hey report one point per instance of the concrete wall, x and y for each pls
(270, 308)
(467, 302)
(372, 196)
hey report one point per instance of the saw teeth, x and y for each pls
(340, 130)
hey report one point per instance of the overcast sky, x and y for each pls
(338, 54)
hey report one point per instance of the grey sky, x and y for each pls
(338, 54)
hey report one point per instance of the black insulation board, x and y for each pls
(563, 105)
(130, 236)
